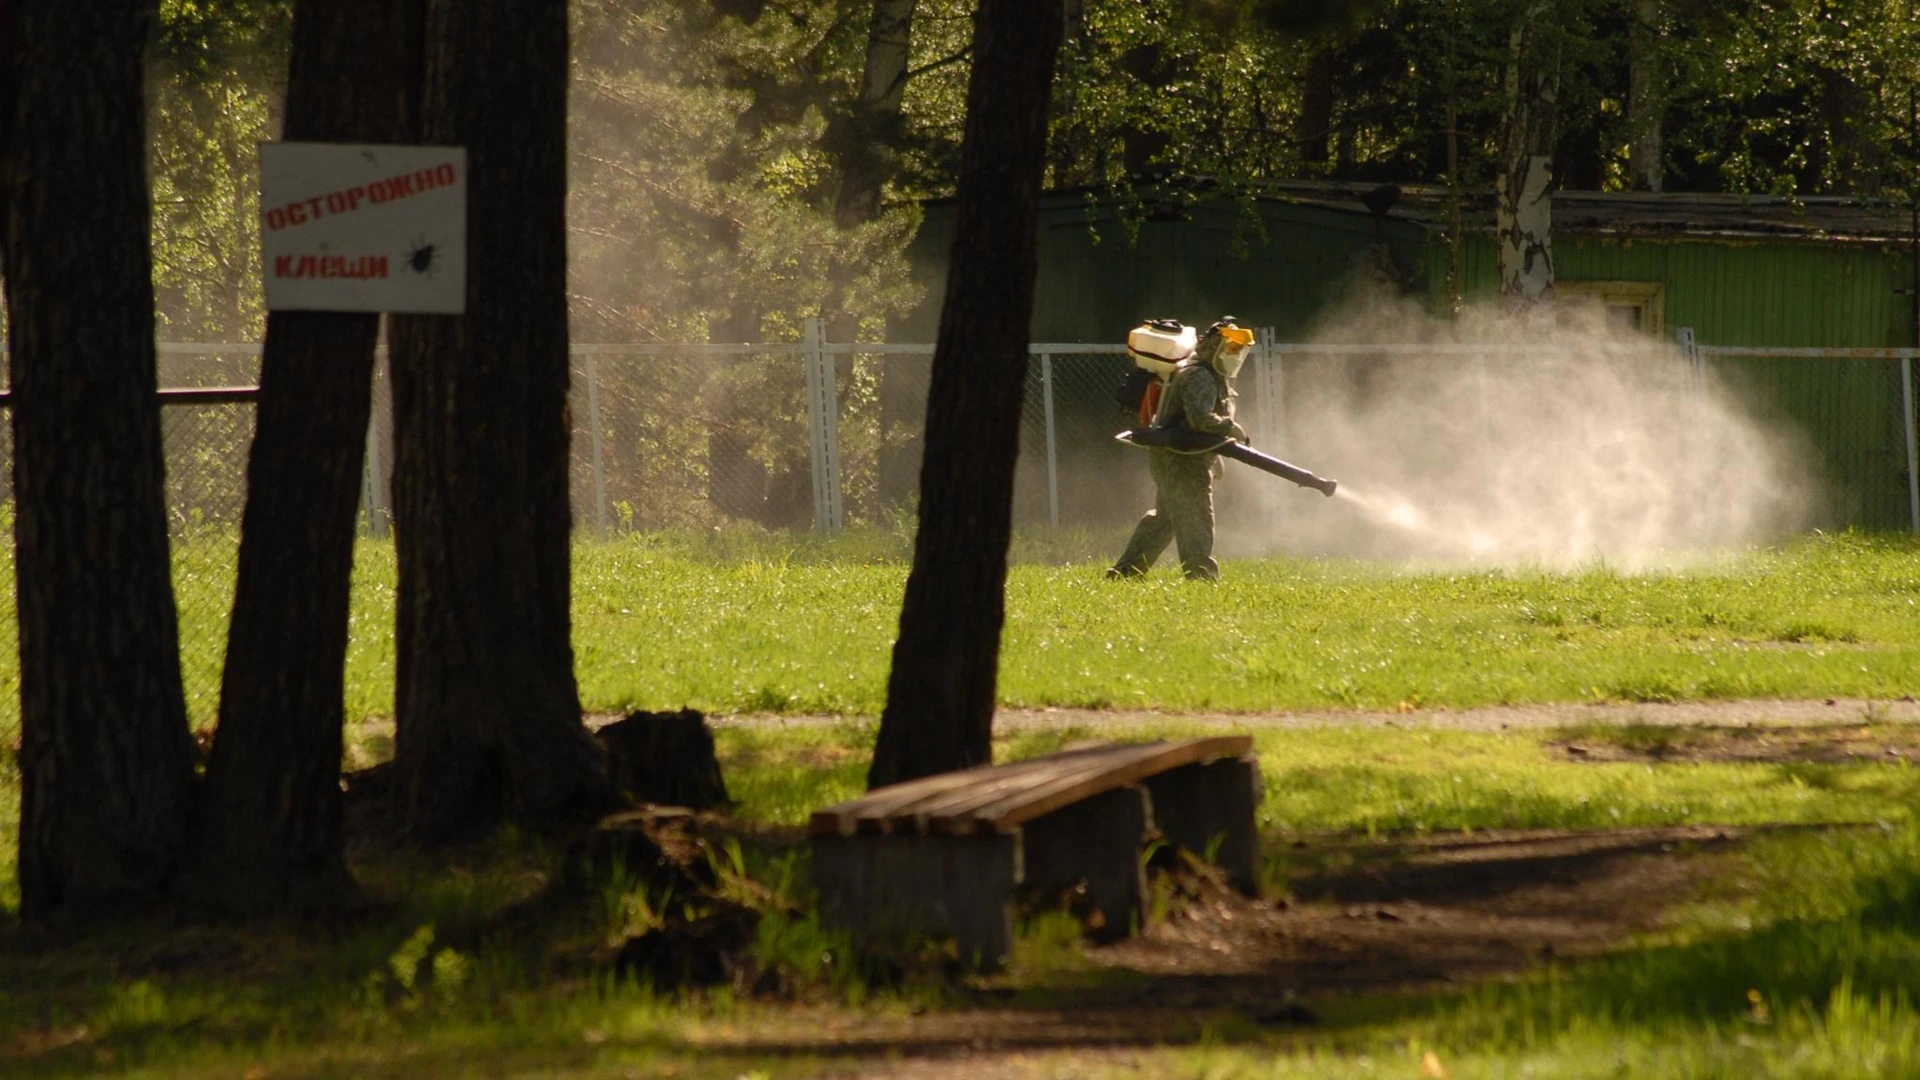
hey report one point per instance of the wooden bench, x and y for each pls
(946, 854)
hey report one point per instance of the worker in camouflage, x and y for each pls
(1198, 397)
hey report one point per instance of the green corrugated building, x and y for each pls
(1738, 271)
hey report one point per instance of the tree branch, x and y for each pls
(940, 63)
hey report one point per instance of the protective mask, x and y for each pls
(1232, 350)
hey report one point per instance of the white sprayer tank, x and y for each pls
(1159, 345)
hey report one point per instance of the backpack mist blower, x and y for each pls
(1194, 442)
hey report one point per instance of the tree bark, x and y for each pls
(1853, 159)
(1316, 108)
(940, 694)
(1644, 97)
(1523, 214)
(866, 163)
(488, 713)
(1141, 147)
(270, 836)
(106, 762)
(876, 114)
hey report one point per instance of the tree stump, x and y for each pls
(665, 759)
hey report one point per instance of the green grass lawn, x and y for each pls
(1802, 965)
(1380, 781)
(800, 625)
(1822, 928)
(1830, 616)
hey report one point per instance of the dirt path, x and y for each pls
(1361, 918)
(1492, 718)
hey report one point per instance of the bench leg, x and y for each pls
(1098, 841)
(1213, 807)
(894, 887)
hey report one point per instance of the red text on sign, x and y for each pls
(330, 266)
(348, 200)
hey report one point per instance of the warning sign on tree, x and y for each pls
(364, 228)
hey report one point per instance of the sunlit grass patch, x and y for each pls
(1374, 781)
(780, 775)
(763, 623)
(1819, 928)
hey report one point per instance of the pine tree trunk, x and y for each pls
(1644, 97)
(270, 834)
(488, 714)
(1316, 109)
(876, 114)
(940, 694)
(866, 163)
(105, 759)
(1523, 213)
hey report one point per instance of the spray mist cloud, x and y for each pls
(1552, 438)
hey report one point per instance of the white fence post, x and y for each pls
(1268, 403)
(1696, 363)
(1053, 470)
(1696, 390)
(822, 427)
(1267, 389)
(599, 461)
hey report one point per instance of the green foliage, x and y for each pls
(1143, 91)
(708, 140)
(1794, 97)
(217, 73)
(702, 191)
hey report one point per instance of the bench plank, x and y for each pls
(1019, 807)
(964, 804)
(949, 854)
(874, 808)
(999, 798)
(1044, 771)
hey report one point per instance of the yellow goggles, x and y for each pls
(1236, 337)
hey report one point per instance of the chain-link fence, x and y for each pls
(206, 425)
(773, 436)
(744, 436)
(823, 436)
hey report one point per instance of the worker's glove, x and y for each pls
(1238, 434)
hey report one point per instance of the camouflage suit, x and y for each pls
(1199, 399)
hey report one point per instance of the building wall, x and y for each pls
(1269, 264)
(1781, 295)
(1282, 264)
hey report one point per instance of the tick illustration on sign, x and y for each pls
(420, 257)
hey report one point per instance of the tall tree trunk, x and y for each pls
(488, 714)
(105, 759)
(1645, 97)
(270, 821)
(1853, 159)
(940, 694)
(876, 114)
(1316, 108)
(866, 163)
(1523, 213)
(1141, 147)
